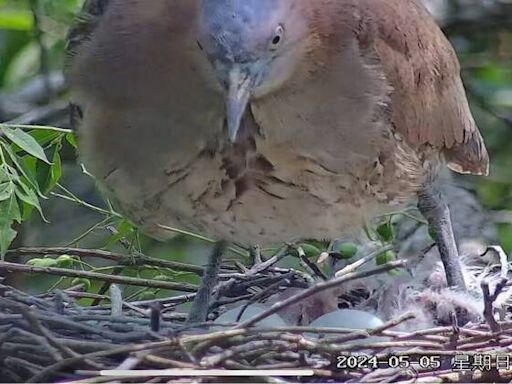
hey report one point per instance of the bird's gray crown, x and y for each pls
(238, 30)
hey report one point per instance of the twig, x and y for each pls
(133, 348)
(202, 238)
(168, 363)
(271, 288)
(116, 300)
(374, 331)
(354, 266)
(127, 260)
(99, 276)
(489, 300)
(312, 267)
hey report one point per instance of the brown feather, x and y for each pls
(428, 99)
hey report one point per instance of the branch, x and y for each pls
(126, 260)
(99, 276)
(489, 300)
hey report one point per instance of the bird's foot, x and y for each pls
(433, 207)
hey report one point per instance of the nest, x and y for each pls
(50, 338)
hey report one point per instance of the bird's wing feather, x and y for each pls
(81, 31)
(429, 104)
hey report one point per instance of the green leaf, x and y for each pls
(65, 261)
(7, 236)
(29, 165)
(21, 168)
(386, 232)
(163, 277)
(27, 210)
(55, 171)
(28, 196)
(25, 142)
(124, 230)
(43, 263)
(3, 173)
(71, 139)
(9, 211)
(6, 190)
(44, 136)
(18, 20)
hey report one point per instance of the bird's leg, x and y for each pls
(434, 208)
(199, 311)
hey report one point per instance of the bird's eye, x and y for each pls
(277, 38)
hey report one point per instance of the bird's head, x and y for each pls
(252, 46)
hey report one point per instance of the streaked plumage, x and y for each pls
(365, 101)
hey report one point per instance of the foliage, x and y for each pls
(20, 48)
(26, 174)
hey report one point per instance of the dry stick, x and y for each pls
(374, 331)
(176, 300)
(32, 319)
(469, 342)
(100, 379)
(131, 348)
(312, 267)
(168, 363)
(116, 300)
(271, 288)
(99, 276)
(116, 271)
(86, 295)
(15, 361)
(352, 267)
(319, 288)
(241, 351)
(489, 299)
(282, 253)
(128, 260)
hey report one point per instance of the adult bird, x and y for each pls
(264, 121)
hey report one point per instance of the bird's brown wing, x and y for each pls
(429, 104)
(80, 31)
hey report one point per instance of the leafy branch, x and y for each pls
(26, 173)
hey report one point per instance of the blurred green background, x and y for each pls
(32, 91)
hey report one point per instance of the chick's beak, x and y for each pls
(239, 92)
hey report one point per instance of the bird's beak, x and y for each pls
(239, 92)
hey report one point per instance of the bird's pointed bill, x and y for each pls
(240, 88)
